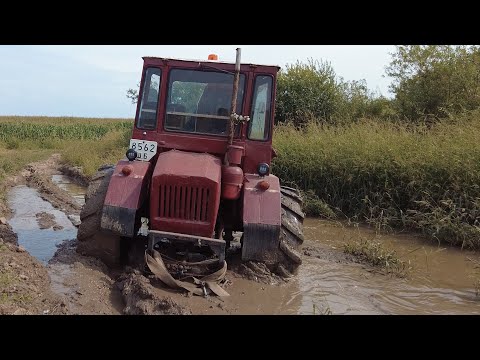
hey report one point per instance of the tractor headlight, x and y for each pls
(131, 154)
(263, 169)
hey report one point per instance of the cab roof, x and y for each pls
(205, 61)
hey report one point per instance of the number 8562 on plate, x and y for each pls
(145, 149)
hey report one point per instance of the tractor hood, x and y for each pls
(185, 193)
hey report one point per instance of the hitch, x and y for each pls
(218, 246)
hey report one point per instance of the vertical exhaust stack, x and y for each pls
(233, 115)
(232, 173)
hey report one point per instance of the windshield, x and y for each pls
(200, 101)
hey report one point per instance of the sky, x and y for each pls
(92, 80)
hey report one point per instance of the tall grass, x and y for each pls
(83, 142)
(391, 175)
(94, 153)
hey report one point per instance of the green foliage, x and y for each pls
(391, 175)
(435, 81)
(132, 94)
(26, 139)
(313, 91)
(109, 150)
(376, 254)
(305, 90)
(13, 132)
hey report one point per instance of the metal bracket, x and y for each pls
(218, 246)
(239, 118)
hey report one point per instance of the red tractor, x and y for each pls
(196, 173)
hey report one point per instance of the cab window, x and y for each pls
(147, 118)
(200, 101)
(260, 117)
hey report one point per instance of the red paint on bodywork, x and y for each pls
(261, 206)
(255, 151)
(128, 191)
(232, 182)
(185, 193)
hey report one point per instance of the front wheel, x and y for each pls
(91, 240)
(291, 231)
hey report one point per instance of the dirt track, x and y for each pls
(75, 284)
(329, 281)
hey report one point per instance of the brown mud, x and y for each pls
(329, 281)
(7, 235)
(85, 284)
(25, 284)
(46, 221)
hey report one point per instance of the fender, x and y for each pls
(125, 196)
(262, 218)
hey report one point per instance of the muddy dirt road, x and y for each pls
(46, 275)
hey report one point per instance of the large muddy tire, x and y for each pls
(91, 240)
(291, 232)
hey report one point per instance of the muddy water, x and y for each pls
(440, 281)
(76, 191)
(25, 204)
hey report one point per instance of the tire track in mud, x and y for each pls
(85, 286)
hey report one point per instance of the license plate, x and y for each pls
(145, 149)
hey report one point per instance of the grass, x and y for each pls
(391, 176)
(17, 299)
(109, 150)
(83, 142)
(376, 254)
(6, 279)
(13, 161)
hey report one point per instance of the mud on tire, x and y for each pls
(91, 241)
(291, 232)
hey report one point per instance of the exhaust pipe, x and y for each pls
(234, 115)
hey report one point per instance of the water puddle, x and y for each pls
(76, 191)
(26, 203)
(440, 281)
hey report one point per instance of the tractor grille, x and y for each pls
(184, 202)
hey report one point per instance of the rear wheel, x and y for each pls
(91, 240)
(291, 232)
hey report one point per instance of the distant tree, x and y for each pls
(305, 90)
(435, 80)
(313, 90)
(132, 94)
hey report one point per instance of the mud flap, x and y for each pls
(260, 242)
(120, 221)
(158, 268)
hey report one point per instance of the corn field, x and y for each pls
(24, 128)
(39, 137)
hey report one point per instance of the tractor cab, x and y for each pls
(187, 105)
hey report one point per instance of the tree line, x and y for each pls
(429, 83)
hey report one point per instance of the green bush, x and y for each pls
(390, 175)
(435, 81)
(313, 92)
(305, 90)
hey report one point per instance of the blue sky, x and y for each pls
(92, 80)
